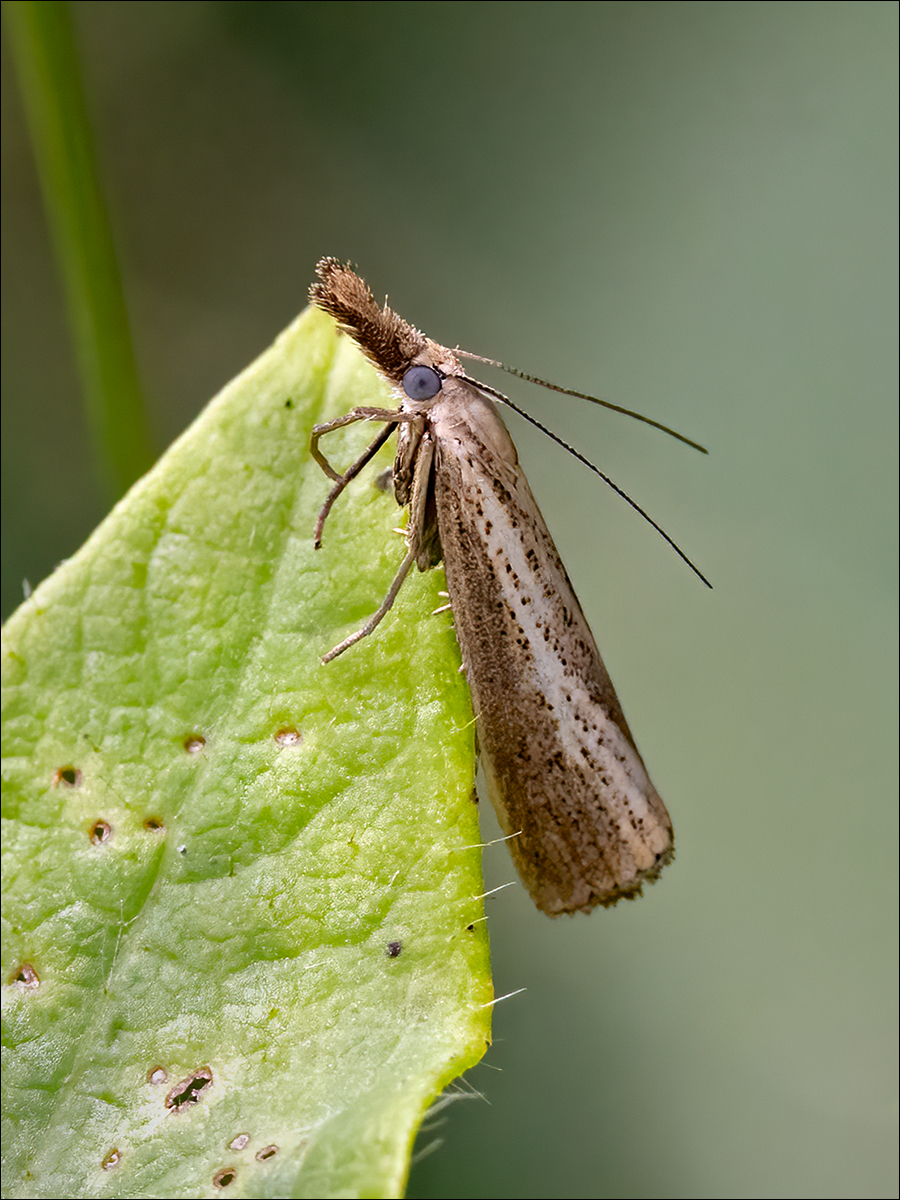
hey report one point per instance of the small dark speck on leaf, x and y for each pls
(101, 831)
(266, 1152)
(154, 823)
(70, 776)
(393, 949)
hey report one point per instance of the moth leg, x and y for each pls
(341, 481)
(390, 415)
(415, 533)
(421, 528)
(375, 618)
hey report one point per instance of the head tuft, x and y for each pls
(388, 341)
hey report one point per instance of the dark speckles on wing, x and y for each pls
(557, 754)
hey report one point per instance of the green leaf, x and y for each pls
(224, 861)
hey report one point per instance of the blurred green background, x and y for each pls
(688, 208)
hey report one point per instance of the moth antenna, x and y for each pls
(555, 387)
(587, 462)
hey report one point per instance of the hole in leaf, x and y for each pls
(288, 736)
(157, 1075)
(25, 976)
(393, 949)
(240, 1142)
(266, 1152)
(154, 823)
(186, 1093)
(70, 776)
(100, 832)
(195, 743)
(112, 1160)
(224, 1177)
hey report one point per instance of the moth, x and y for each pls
(585, 824)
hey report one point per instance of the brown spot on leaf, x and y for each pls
(68, 776)
(101, 831)
(187, 1093)
(266, 1152)
(289, 736)
(112, 1160)
(154, 823)
(195, 743)
(157, 1075)
(224, 1177)
(393, 949)
(25, 976)
(240, 1142)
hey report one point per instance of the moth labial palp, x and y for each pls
(562, 769)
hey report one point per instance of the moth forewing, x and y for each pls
(562, 768)
(560, 762)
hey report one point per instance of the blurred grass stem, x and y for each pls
(46, 60)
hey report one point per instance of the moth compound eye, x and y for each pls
(421, 383)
